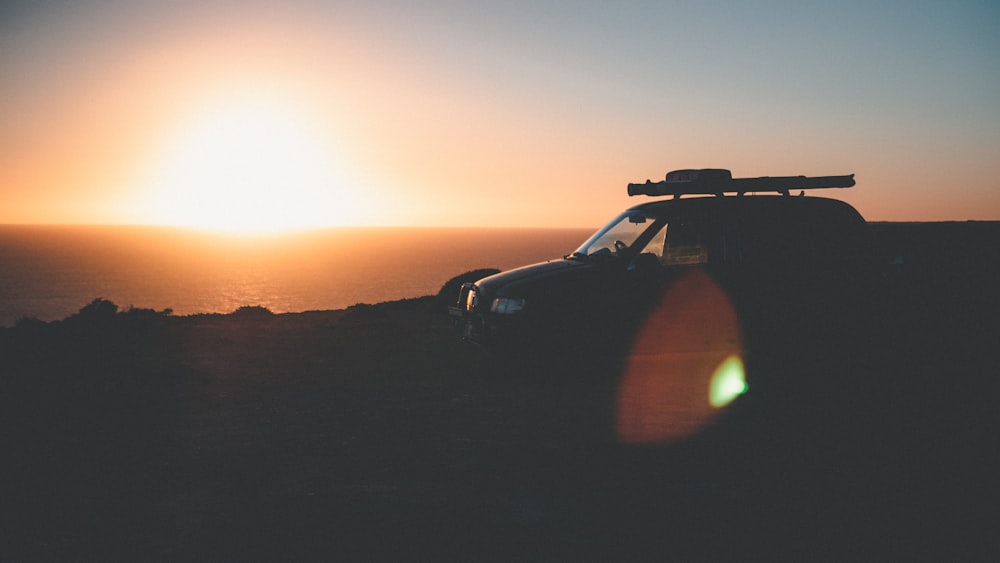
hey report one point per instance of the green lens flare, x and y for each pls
(728, 382)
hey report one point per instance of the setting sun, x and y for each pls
(254, 164)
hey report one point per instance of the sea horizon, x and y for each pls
(49, 272)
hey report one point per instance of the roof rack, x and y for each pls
(718, 181)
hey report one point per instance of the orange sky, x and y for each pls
(530, 114)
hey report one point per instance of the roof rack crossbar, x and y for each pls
(786, 183)
(715, 181)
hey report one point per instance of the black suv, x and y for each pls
(773, 257)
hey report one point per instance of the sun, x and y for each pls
(250, 164)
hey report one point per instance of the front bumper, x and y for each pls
(476, 322)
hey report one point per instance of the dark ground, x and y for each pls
(374, 434)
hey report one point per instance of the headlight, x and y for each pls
(506, 305)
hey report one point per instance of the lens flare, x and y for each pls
(685, 365)
(728, 382)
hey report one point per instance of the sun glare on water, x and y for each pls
(252, 166)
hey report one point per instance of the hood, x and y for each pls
(512, 279)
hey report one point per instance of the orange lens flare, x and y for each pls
(685, 365)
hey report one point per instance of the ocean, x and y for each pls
(50, 272)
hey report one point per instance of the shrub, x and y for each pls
(98, 309)
(253, 311)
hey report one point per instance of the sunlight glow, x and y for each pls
(248, 165)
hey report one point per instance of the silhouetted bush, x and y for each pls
(98, 385)
(142, 313)
(253, 312)
(102, 312)
(99, 310)
(29, 324)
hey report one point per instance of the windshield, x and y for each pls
(629, 234)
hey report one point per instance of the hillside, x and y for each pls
(375, 433)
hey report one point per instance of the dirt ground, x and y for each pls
(374, 433)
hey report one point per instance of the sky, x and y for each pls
(248, 114)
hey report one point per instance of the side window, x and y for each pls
(775, 244)
(787, 240)
(686, 243)
(836, 240)
(655, 244)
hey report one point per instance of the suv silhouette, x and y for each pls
(783, 264)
